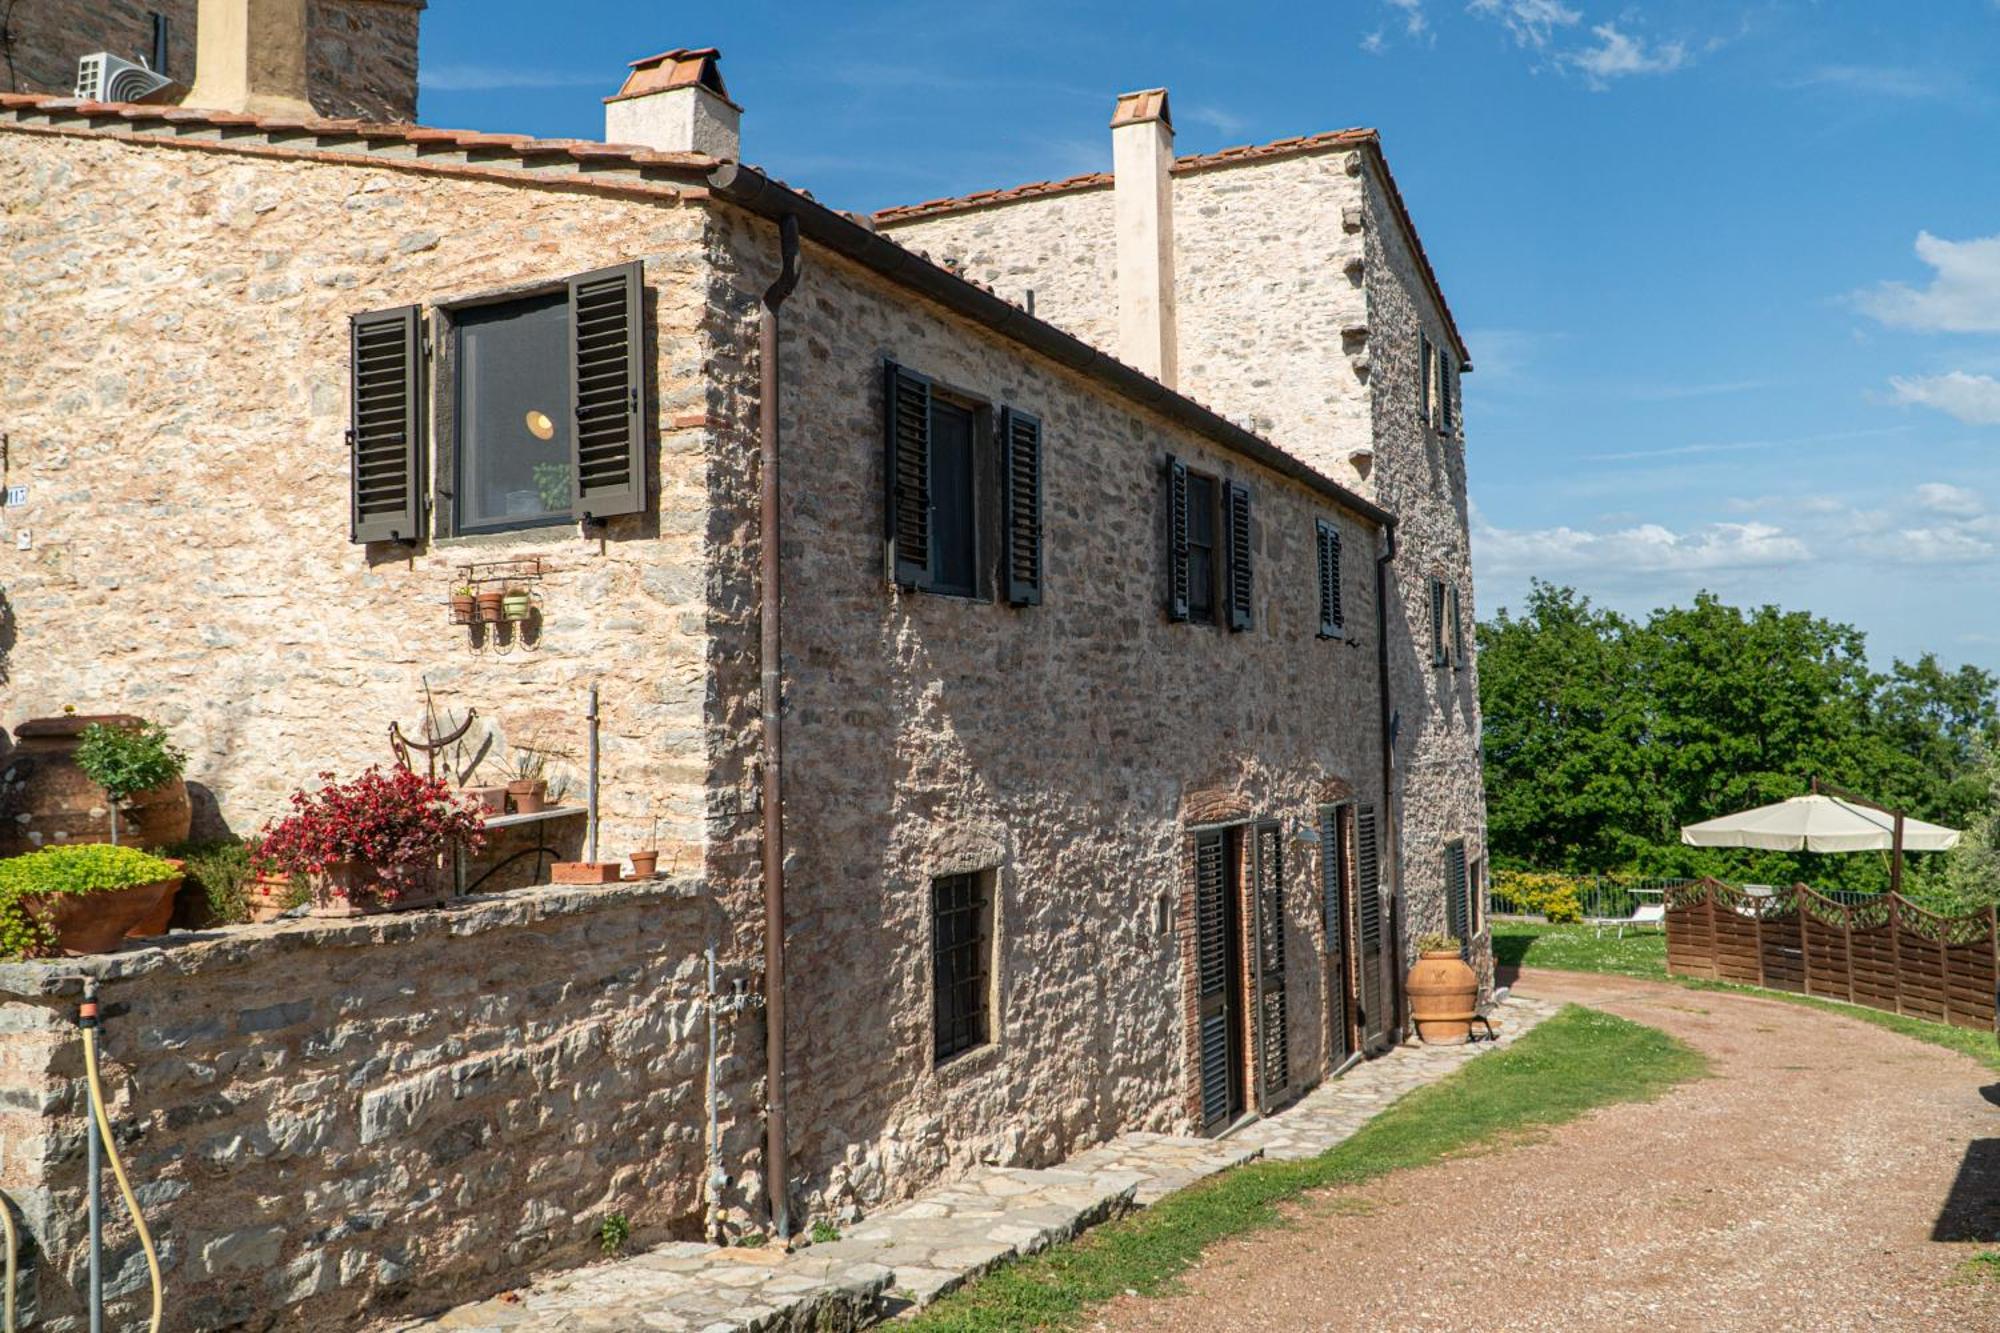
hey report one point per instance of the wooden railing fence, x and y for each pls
(1884, 951)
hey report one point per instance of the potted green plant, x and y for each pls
(127, 760)
(516, 604)
(527, 784)
(79, 899)
(489, 600)
(375, 843)
(463, 604)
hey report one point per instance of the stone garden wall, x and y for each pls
(335, 1118)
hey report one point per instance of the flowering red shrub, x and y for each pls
(396, 823)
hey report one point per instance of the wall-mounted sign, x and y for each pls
(16, 495)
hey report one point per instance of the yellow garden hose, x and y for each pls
(117, 1170)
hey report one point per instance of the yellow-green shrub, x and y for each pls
(1555, 896)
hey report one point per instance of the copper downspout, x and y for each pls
(1392, 959)
(777, 1166)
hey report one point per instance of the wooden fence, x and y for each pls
(1885, 951)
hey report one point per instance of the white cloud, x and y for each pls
(1973, 399)
(1617, 56)
(485, 78)
(1215, 117)
(1374, 44)
(1647, 548)
(1414, 22)
(1533, 22)
(1964, 292)
(1896, 81)
(1941, 497)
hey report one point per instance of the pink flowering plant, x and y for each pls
(397, 824)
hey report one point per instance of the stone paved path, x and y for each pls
(911, 1253)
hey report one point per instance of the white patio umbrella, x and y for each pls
(1824, 823)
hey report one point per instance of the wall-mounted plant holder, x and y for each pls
(498, 600)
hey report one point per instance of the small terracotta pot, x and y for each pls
(527, 796)
(516, 606)
(645, 864)
(96, 922)
(491, 800)
(490, 607)
(462, 605)
(1444, 994)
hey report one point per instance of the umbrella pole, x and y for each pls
(1896, 857)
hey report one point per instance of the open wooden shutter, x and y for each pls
(1274, 1037)
(1457, 897)
(607, 392)
(1447, 378)
(1437, 622)
(1178, 584)
(1457, 632)
(1211, 943)
(1021, 442)
(1236, 518)
(385, 435)
(1336, 832)
(1331, 620)
(907, 475)
(1368, 931)
(1425, 364)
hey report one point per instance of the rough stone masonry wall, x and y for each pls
(326, 1120)
(1421, 476)
(1053, 745)
(361, 55)
(173, 385)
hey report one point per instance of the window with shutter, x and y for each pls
(1179, 591)
(607, 392)
(385, 435)
(1369, 944)
(1438, 649)
(1457, 896)
(1332, 623)
(1021, 461)
(1236, 516)
(907, 471)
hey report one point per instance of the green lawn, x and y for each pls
(1579, 949)
(1577, 1060)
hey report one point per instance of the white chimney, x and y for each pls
(1142, 160)
(675, 102)
(250, 57)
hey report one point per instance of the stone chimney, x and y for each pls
(1142, 160)
(675, 102)
(250, 57)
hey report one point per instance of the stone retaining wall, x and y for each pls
(336, 1116)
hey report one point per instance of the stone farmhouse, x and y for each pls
(1037, 625)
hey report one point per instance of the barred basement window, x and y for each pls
(961, 935)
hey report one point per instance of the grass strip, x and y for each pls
(1579, 949)
(1576, 1060)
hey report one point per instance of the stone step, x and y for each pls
(1165, 1162)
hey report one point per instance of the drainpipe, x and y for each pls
(777, 1169)
(1391, 825)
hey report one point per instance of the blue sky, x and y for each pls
(1730, 273)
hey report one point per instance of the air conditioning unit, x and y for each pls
(103, 77)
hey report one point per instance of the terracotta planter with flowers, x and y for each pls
(379, 843)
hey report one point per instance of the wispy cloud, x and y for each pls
(1215, 117)
(1743, 446)
(1415, 24)
(1963, 295)
(1893, 81)
(1643, 549)
(1667, 393)
(1618, 56)
(1942, 497)
(1973, 399)
(486, 78)
(1533, 23)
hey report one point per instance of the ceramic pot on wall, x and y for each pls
(40, 780)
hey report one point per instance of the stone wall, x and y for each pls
(173, 385)
(1052, 745)
(361, 55)
(376, 1117)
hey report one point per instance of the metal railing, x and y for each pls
(1612, 897)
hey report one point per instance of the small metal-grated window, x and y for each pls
(959, 930)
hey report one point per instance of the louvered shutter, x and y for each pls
(385, 436)
(1273, 1033)
(607, 392)
(1211, 884)
(1368, 927)
(1457, 897)
(1332, 622)
(1236, 514)
(1437, 622)
(1424, 362)
(1447, 377)
(1334, 831)
(1178, 584)
(1021, 437)
(1457, 632)
(907, 475)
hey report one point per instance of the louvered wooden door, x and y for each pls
(1274, 1036)
(1371, 931)
(1217, 979)
(1336, 849)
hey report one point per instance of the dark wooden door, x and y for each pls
(1336, 849)
(1373, 996)
(1268, 905)
(1218, 978)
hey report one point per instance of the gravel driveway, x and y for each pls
(1831, 1175)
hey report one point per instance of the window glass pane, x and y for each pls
(1201, 548)
(953, 521)
(514, 418)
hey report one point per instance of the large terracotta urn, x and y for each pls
(46, 801)
(1444, 994)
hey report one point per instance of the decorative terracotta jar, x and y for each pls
(1444, 995)
(41, 781)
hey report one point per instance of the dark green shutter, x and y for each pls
(1368, 943)
(1211, 944)
(1021, 440)
(1438, 653)
(385, 435)
(1446, 378)
(1273, 1033)
(1333, 871)
(1424, 364)
(907, 472)
(1457, 632)
(1457, 894)
(607, 392)
(1177, 539)
(1331, 620)
(1236, 518)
